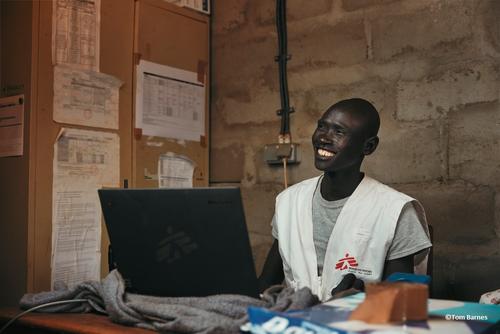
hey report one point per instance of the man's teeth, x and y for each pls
(325, 153)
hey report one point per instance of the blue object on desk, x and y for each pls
(263, 321)
(410, 278)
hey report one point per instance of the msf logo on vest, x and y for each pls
(350, 264)
(346, 262)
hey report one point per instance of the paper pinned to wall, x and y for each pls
(75, 33)
(175, 171)
(170, 102)
(84, 161)
(85, 97)
(11, 126)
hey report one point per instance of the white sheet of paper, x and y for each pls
(11, 125)
(175, 171)
(170, 102)
(75, 33)
(85, 97)
(84, 161)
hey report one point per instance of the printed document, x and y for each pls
(75, 33)
(84, 161)
(85, 97)
(175, 171)
(170, 102)
(11, 125)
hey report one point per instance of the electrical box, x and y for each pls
(274, 153)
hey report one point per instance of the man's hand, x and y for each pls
(349, 284)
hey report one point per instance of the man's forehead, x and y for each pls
(348, 118)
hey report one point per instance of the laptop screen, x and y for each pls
(180, 242)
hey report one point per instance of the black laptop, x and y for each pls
(180, 242)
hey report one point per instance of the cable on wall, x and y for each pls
(282, 59)
(283, 153)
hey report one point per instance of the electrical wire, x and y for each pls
(11, 321)
(282, 59)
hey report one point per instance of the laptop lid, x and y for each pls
(180, 242)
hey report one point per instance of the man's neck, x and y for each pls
(340, 184)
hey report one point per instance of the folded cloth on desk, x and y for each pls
(212, 314)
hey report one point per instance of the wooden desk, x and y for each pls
(41, 323)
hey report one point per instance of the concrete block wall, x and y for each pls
(431, 67)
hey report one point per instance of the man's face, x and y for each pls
(338, 141)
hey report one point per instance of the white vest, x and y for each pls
(359, 241)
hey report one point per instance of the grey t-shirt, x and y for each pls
(409, 237)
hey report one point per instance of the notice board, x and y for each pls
(115, 59)
(167, 36)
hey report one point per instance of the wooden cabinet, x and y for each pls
(149, 29)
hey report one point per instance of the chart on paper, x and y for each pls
(170, 103)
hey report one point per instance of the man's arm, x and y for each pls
(351, 282)
(401, 265)
(272, 273)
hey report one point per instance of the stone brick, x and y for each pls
(426, 30)
(239, 66)
(261, 107)
(250, 135)
(304, 119)
(436, 95)
(313, 78)
(260, 247)
(258, 202)
(474, 144)
(308, 78)
(228, 15)
(461, 213)
(226, 164)
(350, 5)
(323, 95)
(326, 46)
(264, 11)
(488, 20)
(406, 154)
(459, 278)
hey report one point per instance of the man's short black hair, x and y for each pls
(364, 110)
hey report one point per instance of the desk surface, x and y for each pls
(88, 323)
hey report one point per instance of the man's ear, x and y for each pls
(370, 145)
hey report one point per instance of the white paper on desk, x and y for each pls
(175, 171)
(75, 33)
(170, 102)
(85, 97)
(84, 161)
(11, 125)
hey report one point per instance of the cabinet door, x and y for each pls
(116, 58)
(179, 38)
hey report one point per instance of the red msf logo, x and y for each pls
(346, 262)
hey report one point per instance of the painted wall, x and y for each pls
(431, 67)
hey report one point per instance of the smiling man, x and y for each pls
(341, 229)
